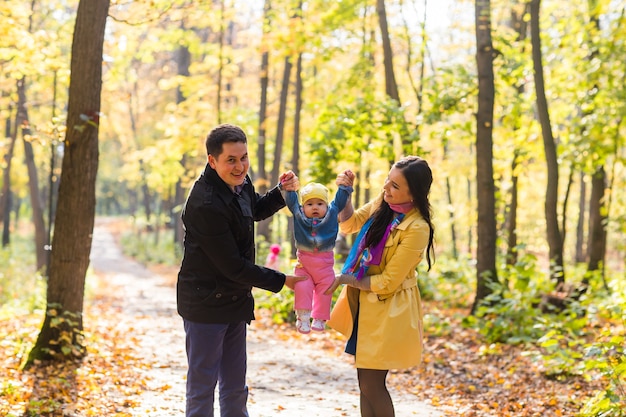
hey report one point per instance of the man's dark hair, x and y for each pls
(221, 134)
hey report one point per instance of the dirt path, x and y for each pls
(287, 376)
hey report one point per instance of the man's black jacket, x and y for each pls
(218, 270)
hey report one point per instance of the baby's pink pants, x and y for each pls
(318, 266)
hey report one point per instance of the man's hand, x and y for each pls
(290, 280)
(289, 181)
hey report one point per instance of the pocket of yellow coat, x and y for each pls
(341, 317)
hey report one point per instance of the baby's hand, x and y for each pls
(289, 181)
(346, 178)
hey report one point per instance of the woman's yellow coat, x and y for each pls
(390, 315)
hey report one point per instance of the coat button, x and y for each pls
(235, 298)
(218, 295)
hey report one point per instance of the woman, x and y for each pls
(379, 309)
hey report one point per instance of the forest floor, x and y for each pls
(289, 374)
(136, 362)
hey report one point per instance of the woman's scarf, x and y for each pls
(361, 258)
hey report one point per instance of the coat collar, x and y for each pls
(211, 177)
(410, 217)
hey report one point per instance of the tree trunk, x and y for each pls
(263, 227)
(391, 86)
(519, 25)
(555, 241)
(597, 204)
(597, 224)
(5, 196)
(453, 241)
(145, 192)
(280, 125)
(61, 334)
(580, 226)
(417, 89)
(511, 221)
(33, 179)
(295, 158)
(469, 191)
(220, 67)
(183, 60)
(485, 187)
(568, 192)
(52, 179)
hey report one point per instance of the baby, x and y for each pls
(315, 229)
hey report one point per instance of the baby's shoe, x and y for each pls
(303, 325)
(303, 321)
(318, 325)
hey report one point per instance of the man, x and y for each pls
(218, 272)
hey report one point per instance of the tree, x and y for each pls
(183, 60)
(295, 155)
(596, 245)
(555, 240)
(61, 333)
(391, 86)
(520, 26)
(263, 227)
(282, 114)
(29, 157)
(6, 194)
(485, 188)
(33, 180)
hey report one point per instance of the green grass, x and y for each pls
(22, 288)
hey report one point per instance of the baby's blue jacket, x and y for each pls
(317, 235)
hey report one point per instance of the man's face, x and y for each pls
(232, 164)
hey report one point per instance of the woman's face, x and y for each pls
(396, 188)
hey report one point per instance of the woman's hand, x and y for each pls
(347, 279)
(345, 178)
(291, 280)
(339, 280)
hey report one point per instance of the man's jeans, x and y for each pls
(216, 352)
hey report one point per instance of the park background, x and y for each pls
(517, 106)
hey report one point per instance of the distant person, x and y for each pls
(315, 232)
(273, 258)
(379, 308)
(218, 272)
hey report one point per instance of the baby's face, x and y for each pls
(315, 208)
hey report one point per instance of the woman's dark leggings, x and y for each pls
(375, 399)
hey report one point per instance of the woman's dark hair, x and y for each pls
(221, 134)
(419, 177)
